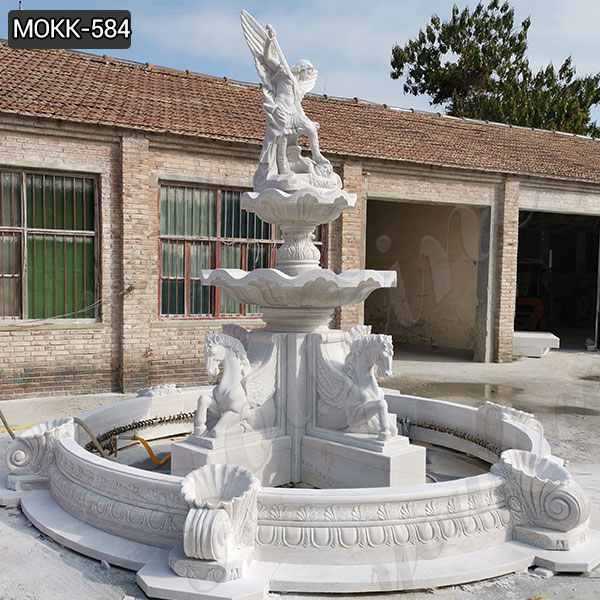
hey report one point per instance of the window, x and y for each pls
(206, 228)
(47, 246)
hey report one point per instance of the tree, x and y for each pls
(475, 64)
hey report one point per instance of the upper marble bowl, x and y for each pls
(305, 207)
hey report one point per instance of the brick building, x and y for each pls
(119, 181)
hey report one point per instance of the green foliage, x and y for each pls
(475, 64)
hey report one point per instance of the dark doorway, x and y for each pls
(557, 276)
(436, 252)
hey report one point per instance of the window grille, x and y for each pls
(206, 228)
(47, 246)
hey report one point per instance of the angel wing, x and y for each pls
(266, 52)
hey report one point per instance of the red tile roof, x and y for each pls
(86, 88)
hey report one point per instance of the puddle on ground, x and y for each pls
(595, 378)
(560, 409)
(469, 393)
(475, 394)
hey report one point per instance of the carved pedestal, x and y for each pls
(267, 459)
(219, 571)
(352, 439)
(343, 464)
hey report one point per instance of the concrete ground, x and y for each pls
(562, 389)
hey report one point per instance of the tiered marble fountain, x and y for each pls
(290, 474)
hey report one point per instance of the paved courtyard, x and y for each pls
(562, 389)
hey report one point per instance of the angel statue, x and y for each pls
(281, 163)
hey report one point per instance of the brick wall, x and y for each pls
(131, 346)
(350, 239)
(140, 265)
(506, 278)
(61, 358)
(176, 346)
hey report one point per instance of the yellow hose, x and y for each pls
(159, 462)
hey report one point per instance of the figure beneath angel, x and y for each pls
(281, 163)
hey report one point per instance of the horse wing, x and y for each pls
(333, 385)
(260, 383)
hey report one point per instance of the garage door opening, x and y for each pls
(435, 250)
(557, 276)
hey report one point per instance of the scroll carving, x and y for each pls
(540, 493)
(31, 454)
(220, 528)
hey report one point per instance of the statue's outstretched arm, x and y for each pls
(270, 55)
(262, 42)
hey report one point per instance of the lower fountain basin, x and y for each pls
(346, 535)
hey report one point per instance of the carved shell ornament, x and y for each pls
(217, 486)
(32, 452)
(223, 511)
(540, 491)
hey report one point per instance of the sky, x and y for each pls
(349, 41)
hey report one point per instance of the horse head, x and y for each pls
(220, 347)
(368, 351)
(385, 355)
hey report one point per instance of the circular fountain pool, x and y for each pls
(309, 540)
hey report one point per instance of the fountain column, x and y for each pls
(330, 414)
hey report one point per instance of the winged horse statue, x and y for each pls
(244, 398)
(349, 397)
(281, 163)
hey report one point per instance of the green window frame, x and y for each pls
(204, 227)
(48, 245)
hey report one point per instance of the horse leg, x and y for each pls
(376, 416)
(387, 427)
(228, 421)
(203, 405)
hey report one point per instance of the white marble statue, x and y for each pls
(349, 398)
(220, 527)
(242, 400)
(281, 164)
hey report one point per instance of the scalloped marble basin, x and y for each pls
(307, 206)
(302, 302)
(315, 288)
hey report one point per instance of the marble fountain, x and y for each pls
(297, 472)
